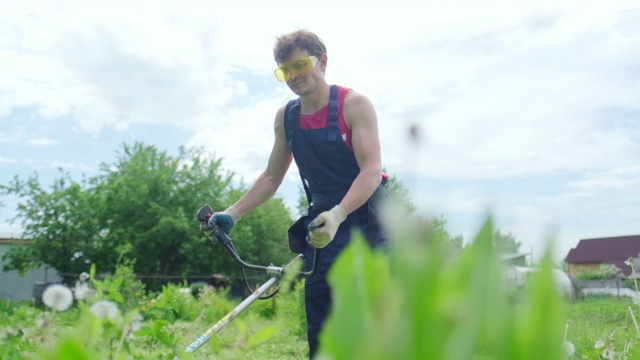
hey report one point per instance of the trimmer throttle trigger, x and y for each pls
(204, 214)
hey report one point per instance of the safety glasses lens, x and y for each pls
(282, 73)
(298, 67)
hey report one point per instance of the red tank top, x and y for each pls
(318, 119)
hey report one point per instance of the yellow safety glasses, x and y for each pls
(298, 67)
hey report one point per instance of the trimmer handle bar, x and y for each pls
(276, 273)
(206, 212)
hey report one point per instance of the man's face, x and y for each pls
(300, 71)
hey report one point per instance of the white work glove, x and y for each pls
(324, 227)
(225, 220)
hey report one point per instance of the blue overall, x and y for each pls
(328, 168)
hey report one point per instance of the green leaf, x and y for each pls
(115, 295)
(360, 280)
(163, 337)
(117, 282)
(145, 330)
(70, 348)
(265, 334)
(159, 325)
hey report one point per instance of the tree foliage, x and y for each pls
(430, 229)
(61, 224)
(141, 207)
(400, 194)
(505, 243)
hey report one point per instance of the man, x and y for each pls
(332, 133)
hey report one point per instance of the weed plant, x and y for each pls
(417, 300)
(601, 324)
(428, 304)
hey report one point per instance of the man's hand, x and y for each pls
(225, 220)
(324, 227)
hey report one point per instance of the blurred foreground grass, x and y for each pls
(416, 301)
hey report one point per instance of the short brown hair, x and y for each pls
(300, 39)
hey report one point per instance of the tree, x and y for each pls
(400, 195)
(303, 204)
(147, 204)
(140, 207)
(433, 231)
(505, 243)
(61, 224)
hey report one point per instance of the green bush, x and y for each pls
(603, 272)
(132, 289)
(215, 304)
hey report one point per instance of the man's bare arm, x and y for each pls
(361, 117)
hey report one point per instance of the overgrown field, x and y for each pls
(603, 326)
(595, 325)
(415, 302)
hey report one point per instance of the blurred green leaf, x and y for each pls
(70, 348)
(263, 335)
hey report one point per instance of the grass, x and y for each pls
(257, 333)
(420, 303)
(591, 319)
(602, 318)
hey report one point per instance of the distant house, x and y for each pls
(591, 253)
(14, 286)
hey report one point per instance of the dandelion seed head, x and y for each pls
(57, 297)
(105, 310)
(599, 344)
(569, 348)
(83, 276)
(82, 291)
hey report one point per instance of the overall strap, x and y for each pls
(291, 115)
(332, 114)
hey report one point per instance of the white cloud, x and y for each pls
(534, 92)
(494, 92)
(7, 139)
(41, 141)
(69, 165)
(121, 125)
(4, 160)
(625, 179)
(242, 137)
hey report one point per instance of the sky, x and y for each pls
(526, 111)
